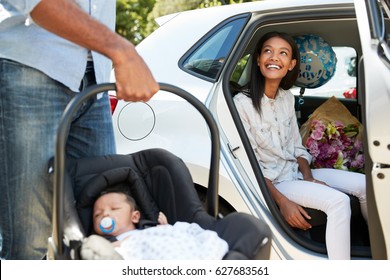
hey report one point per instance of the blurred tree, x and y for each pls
(131, 18)
(166, 7)
(210, 3)
(135, 18)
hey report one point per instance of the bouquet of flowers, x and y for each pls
(334, 145)
(334, 139)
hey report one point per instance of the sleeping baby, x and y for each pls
(115, 214)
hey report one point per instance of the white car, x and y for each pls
(206, 51)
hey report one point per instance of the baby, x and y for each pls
(116, 214)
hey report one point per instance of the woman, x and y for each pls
(267, 112)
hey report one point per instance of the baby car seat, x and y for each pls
(158, 181)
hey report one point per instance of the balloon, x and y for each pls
(318, 61)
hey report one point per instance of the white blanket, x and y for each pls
(182, 241)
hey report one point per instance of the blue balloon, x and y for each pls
(318, 61)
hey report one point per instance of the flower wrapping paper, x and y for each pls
(333, 136)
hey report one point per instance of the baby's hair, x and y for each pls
(131, 201)
(129, 198)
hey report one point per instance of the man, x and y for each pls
(50, 50)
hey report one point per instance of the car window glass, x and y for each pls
(239, 75)
(208, 58)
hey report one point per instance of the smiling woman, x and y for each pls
(267, 104)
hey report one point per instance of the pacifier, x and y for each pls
(107, 225)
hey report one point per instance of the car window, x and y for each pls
(208, 57)
(240, 73)
(343, 82)
(341, 85)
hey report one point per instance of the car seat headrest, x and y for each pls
(318, 61)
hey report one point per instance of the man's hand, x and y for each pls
(134, 81)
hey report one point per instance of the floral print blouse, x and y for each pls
(274, 135)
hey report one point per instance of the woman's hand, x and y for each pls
(316, 181)
(294, 214)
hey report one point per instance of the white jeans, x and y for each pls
(333, 201)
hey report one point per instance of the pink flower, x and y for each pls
(358, 144)
(358, 162)
(317, 134)
(334, 145)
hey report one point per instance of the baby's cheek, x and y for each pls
(96, 227)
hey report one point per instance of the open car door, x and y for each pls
(374, 93)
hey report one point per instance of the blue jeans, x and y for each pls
(31, 105)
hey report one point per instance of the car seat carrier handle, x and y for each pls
(60, 154)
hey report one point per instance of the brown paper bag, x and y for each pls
(330, 111)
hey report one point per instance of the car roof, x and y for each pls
(196, 23)
(218, 13)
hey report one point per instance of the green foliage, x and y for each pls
(165, 7)
(135, 18)
(210, 3)
(132, 18)
(242, 63)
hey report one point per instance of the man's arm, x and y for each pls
(66, 19)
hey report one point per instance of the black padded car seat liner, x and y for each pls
(123, 179)
(146, 177)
